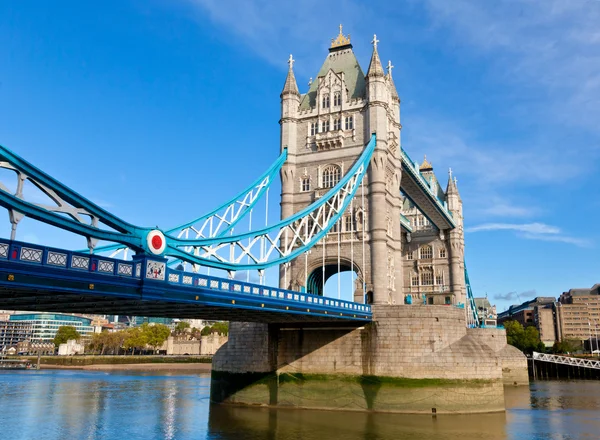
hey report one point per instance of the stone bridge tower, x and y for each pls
(325, 131)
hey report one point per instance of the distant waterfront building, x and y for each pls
(45, 325)
(539, 312)
(13, 332)
(578, 313)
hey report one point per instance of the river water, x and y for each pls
(75, 404)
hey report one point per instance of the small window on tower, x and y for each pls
(348, 223)
(314, 128)
(427, 277)
(325, 126)
(442, 252)
(326, 101)
(439, 279)
(414, 280)
(337, 99)
(409, 256)
(305, 184)
(349, 122)
(426, 253)
(331, 176)
(337, 124)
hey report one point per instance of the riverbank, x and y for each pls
(139, 363)
(165, 366)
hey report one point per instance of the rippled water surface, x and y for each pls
(152, 405)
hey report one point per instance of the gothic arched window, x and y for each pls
(314, 128)
(337, 99)
(414, 280)
(427, 276)
(337, 124)
(442, 252)
(326, 101)
(331, 176)
(439, 278)
(325, 126)
(426, 253)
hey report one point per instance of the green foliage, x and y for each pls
(181, 328)
(566, 346)
(135, 337)
(217, 327)
(156, 334)
(64, 333)
(525, 339)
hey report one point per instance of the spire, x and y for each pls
(340, 42)
(426, 165)
(375, 68)
(393, 90)
(290, 86)
(452, 187)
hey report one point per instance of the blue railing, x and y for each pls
(32, 254)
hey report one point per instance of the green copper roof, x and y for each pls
(342, 61)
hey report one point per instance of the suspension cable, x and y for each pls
(338, 252)
(364, 211)
(323, 265)
(249, 242)
(352, 249)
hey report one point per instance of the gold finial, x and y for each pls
(341, 40)
(426, 165)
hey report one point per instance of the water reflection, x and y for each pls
(226, 422)
(154, 405)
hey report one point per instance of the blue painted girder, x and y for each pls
(46, 279)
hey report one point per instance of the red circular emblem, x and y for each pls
(156, 242)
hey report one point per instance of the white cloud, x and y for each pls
(559, 238)
(273, 29)
(532, 231)
(505, 209)
(551, 44)
(535, 228)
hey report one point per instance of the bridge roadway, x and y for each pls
(423, 195)
(38, 278)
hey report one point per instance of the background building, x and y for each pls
(13, 332)
(45, 325)
(578, 313)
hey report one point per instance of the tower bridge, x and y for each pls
(352, 200)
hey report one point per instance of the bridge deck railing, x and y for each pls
(413, 167)
(31, 254)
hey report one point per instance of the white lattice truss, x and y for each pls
(281, 242)
(566, 360)
(216, 223)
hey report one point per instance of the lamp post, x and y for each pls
(590, 331)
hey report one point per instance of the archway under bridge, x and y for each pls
(333, 279)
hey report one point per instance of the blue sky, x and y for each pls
(159, 110)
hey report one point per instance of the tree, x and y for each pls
(566, 346)
(156, 334)
(525, 339)
(135, 338)
(64, 333)
(181, 328)
(217, 327)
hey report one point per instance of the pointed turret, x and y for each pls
(390, 80)
(290, 86)
(375, 68)
(452, 188)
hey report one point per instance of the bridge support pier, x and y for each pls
(410, 359)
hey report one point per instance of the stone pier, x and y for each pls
(412, 359)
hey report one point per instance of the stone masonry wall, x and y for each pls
(403, 341)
